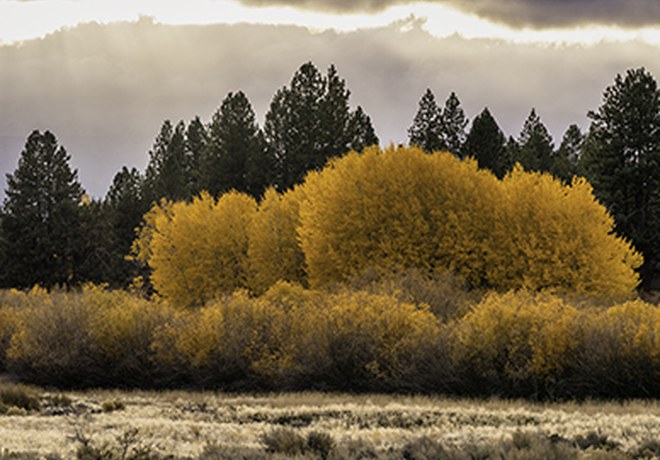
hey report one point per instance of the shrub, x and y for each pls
(320, 444)
(511, 341)
(284, 441)
(20, 396)
(94, 337)
(618, 352)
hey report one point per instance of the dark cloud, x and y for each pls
(518, 13)
(105, 90)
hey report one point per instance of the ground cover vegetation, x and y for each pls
(406, 269)
(203, 425)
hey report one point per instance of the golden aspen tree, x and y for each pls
(198, 250)
(274, 250)
(552, 236)
(401, 208)
(396, 209)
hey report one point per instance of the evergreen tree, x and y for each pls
(453, 125)
(622, 161)
(487, 144)
(41, 217)
(512, 150)
(427, 130)
(308, 123)
(565, 159)
(125, 207)
(167, 172)
(293, 126)
(334, 115)
(196, 142)
(361, 130)
(536, 146)
(235, 156)
(99, 262)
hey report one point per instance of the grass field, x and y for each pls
(186, 424)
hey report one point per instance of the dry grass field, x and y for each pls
(184, 424)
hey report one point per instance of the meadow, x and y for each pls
(212, 425)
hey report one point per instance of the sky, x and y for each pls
(104, 74)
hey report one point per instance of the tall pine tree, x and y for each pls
(126, 206)
(309, 122)
(235, 156)
(487, 144)
(426, 132)
(622, 161)
(536, 146)
(361, 131)
(167, 174)
(41, 217)
(196, 142)
(453, 125)
(565, 159)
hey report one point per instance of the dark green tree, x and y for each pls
(335, 116)
(487, 144)
(362, 133)
(99, 262)
(536, 146)
(167, 172)
(453, 125)
(622, 161)
(125, 206)
(308, 123)
(235, 156)
(427, 129)
(293, 127)
(565, 159)
(42, 217)
(196, 142)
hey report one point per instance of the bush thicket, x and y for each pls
(537, 345)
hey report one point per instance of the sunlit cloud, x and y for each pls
(22, 20)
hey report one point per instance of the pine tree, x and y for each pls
(536, 146)
(293, 126)
(453, 125)
(196, 142)
(126, 206)
(361, 130)
(41, 217)
(427, 129)
(99, 262)
(167, 172)
(334, 116)
(487, 144)
(565, 159)
(235, 157)
(622, 161)
(309, 122)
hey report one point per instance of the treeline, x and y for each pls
(52, 235)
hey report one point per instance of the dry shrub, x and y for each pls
(94, 337)
(515, 342)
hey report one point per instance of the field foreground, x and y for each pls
(186, 424)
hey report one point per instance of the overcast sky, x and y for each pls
(103, 78)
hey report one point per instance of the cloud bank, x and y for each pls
(104, 90)
(517, 13)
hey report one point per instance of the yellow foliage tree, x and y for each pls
(198, 250)
(549, 235)
(396, 209)
(274, 250)
(402, 208)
